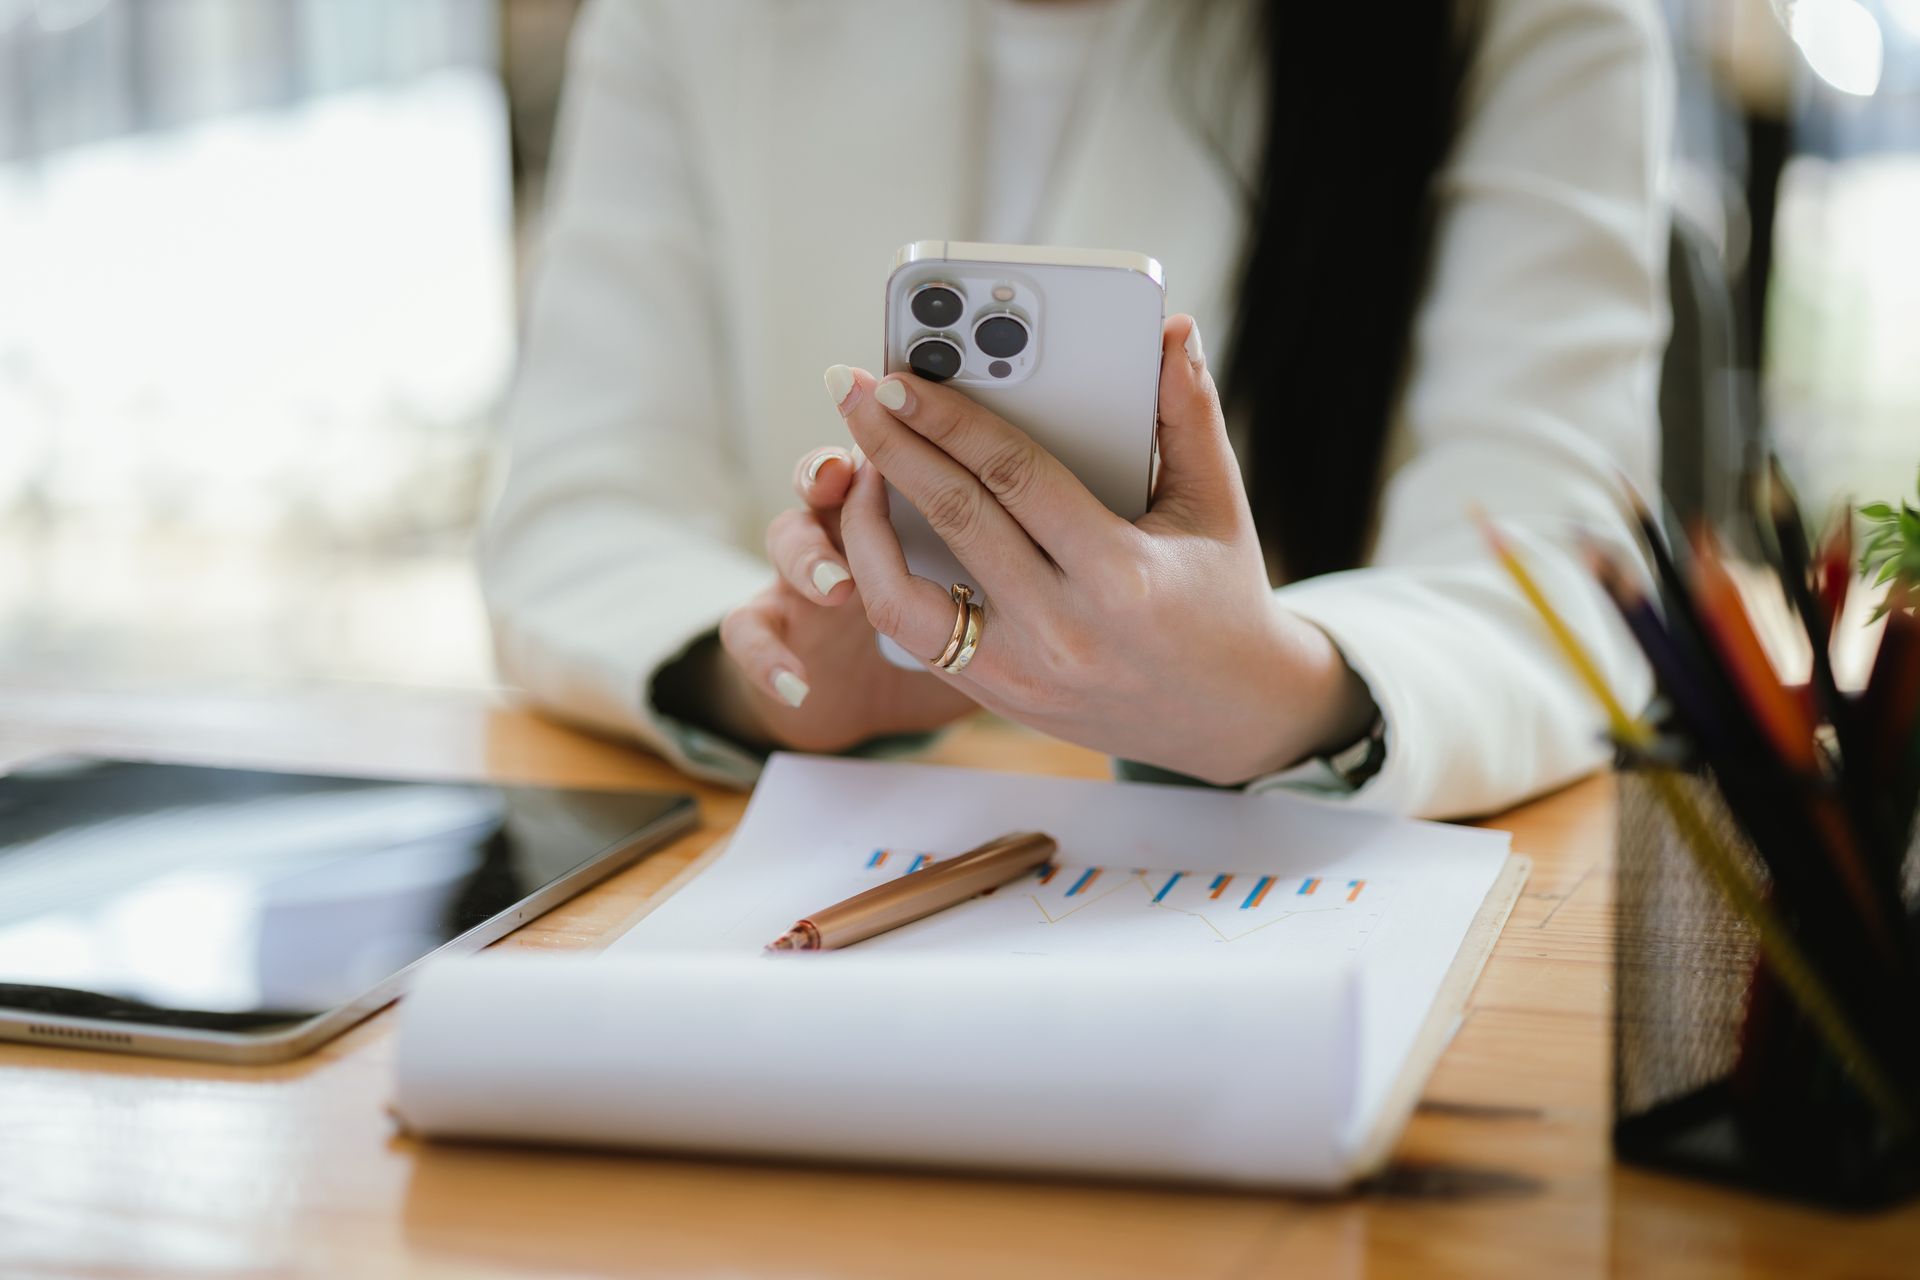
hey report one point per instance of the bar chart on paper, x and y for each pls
(1170, 872)
(1064, 908)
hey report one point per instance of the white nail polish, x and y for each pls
(827, 575)
(859, 457)
(839, 380)
(791, 688)
(892, 394)
(822, 458)
(1194, 353)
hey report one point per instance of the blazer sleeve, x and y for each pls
(1532, 390)
(611, 547)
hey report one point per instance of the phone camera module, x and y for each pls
(1001, 336)
(937, 306)
(934, 359)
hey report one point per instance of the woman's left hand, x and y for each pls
(1158, 641)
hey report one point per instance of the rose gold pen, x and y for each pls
(919, 893)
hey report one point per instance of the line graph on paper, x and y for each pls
(1064, 908)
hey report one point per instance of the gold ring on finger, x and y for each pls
(976, 624)
(961, 594)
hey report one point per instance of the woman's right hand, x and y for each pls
(802, 661)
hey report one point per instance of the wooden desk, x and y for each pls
(119, 1165)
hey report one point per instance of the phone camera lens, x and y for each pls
(937, 306)
(934, 359)
(1001, 337)
(1000, 369)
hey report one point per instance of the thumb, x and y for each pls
(1199, 482)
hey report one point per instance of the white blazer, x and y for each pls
(734, 178)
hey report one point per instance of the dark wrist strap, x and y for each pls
(1356, 765)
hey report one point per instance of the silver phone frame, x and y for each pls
(17, 1026)
(1028, 255)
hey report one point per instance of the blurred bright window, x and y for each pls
(256, 308)
(1843, 322)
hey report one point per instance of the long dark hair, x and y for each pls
(1362, 106)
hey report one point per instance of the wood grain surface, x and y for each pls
(119, 1166)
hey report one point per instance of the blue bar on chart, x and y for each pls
(1259, 892)
(1307, 886)
(919, 860)
(1172, 880)
(1087, 877)
(879, 858)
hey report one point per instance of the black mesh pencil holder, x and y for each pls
(1717, 1074)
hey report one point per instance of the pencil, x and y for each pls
(1789, 727)
(1674, 596)
(1794, 565)
(1784, 720)
(1882, 859)
(1688, 635)
(1782, 953)
(1836, 571)
(1671, 668)
(1892, 701)
(1629, 729)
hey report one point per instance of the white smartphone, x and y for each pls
(1063, 343)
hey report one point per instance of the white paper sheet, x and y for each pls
(1117, 1068)
(1238, 915)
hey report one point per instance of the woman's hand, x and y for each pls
(1159, 641)
(803, 669)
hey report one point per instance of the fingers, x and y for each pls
(753, 635)
(915, 613)
(821, 477)
(1199, 477)
(1034, 487)
(800, 549)
(980, 532)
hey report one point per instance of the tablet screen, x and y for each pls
(236, 900)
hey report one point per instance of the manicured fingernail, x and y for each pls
(1194, 353)
(825, 456)
(892, 393)
(839, 381)
(859, 457)
(791, 688)
(827, 575)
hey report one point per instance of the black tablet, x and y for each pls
(243, 915)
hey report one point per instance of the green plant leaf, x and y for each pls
(1891, 548)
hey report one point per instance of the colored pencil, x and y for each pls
(1794, 564)
(1836, 571)
(1789, 727)
(1717, 600)
(1891, 708)
(1672, 669)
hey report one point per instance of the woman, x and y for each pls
(1428, 252)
